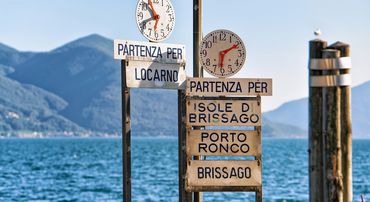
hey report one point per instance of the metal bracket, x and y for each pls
(330, 80)
(330, 63)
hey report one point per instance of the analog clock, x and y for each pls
(155, 19)
(222, 53)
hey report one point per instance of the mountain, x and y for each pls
(360, 112)
(78, 86)
(28, 108)
(12, 57)
(83, 73)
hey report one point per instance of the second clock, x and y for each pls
(155, 19)
(222, 53)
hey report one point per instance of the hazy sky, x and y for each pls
(276, 33)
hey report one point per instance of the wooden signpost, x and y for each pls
(202, 102)
(224, 111)
(223, 143)
(212, 175)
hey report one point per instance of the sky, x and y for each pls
(276, 33)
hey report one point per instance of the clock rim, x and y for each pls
(142, 33)
(245, 55)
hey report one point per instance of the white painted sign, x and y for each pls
(201, 112)
(228, 87)
(212, 173)
(147, 51)
(142, 74)
(223, 143)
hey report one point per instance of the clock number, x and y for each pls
(222, 70)
(231, 40)
(143, 25)
(150, 31)
(208, 44)
(208, 62)
(237, 62)
(214, 39)
(204, 52)
(156, 35)
(144, 6)
(168, 9)
(229, 68)
(168, 27)
(171, 18)
(222, 36)
(140, 16)
(240, 53)
(162, 32)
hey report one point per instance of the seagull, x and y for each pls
(317, 33)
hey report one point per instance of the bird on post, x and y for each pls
(317, 33)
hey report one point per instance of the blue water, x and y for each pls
(91, 170)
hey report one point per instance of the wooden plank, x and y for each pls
(148, 51)
(247, 173)
(228, 87)
(142, 74)
(223, 143)
(202, 112)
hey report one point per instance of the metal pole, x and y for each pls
(197, 37)
(126, 135)
(197, 70)
(315, 128)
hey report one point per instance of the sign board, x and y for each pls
(202, 112)
(147, 51)
(228, 87)
(211, 173)
(143, 74)
(223, 143)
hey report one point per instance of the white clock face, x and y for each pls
(155, 19)
(222, 53)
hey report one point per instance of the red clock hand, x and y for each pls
(155, 15)
(224, 52)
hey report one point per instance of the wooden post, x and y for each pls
(315, 128)
(197, 70)
(126, 135)
(346, 127)
(332, 134)
(183, 195)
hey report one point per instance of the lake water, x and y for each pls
(91, 170)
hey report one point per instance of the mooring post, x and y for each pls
(346, 126)
(126, 135)
(315, 127)
(332, 133)
(197, 70)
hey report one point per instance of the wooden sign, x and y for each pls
(143, 74)
(226, 87)
(210, 173)
(147, 51)
(223, 143)
(231, 112)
